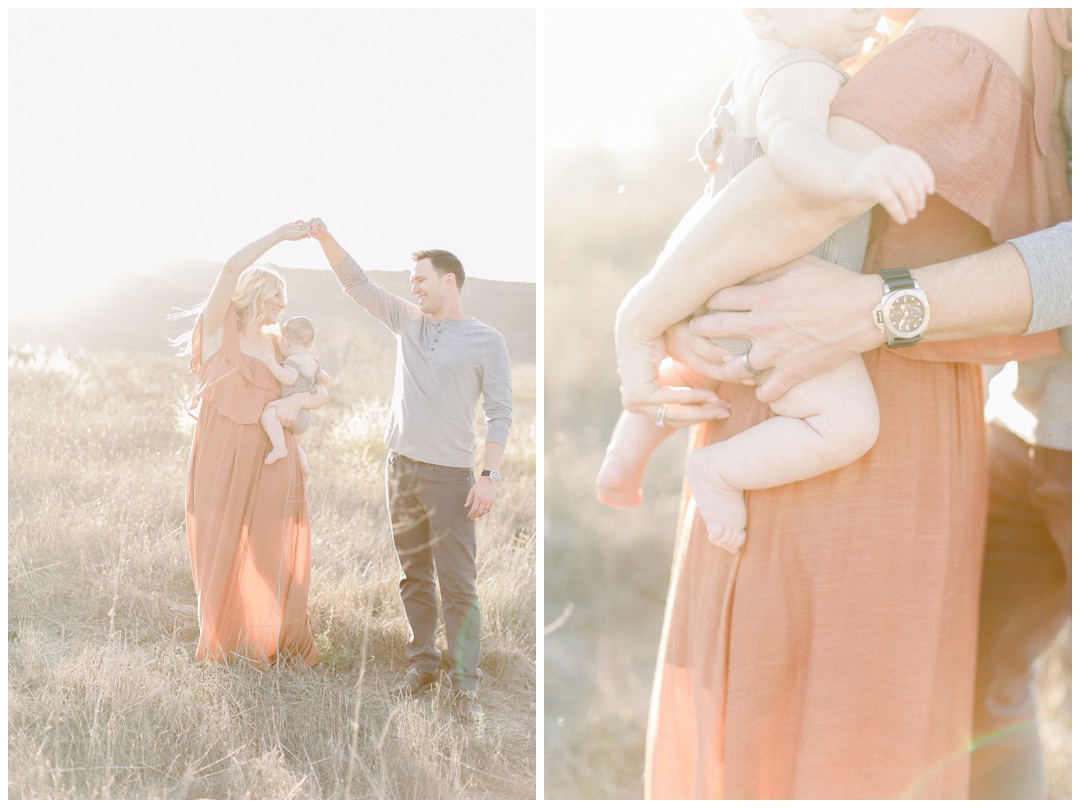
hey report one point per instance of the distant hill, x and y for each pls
(133, 316)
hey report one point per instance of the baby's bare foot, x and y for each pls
(276, 455)
(721, 506)
(618, 485)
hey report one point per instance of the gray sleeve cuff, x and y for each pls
(1048, 256)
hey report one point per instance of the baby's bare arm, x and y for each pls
(285, 375)
(793, 128)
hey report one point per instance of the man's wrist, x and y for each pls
(903, 313)
(868, 294)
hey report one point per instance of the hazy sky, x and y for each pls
(138, 135)
(606, 71)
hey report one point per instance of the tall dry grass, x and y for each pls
(105, 699)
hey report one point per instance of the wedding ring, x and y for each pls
(755, 374)
(660, 413)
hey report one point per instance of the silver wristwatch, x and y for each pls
(494, 475)
(904, 312)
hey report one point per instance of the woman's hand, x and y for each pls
(287, 409)
(681, 406)
(295, 231)
(808, 320)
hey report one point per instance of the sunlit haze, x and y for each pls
(137, 137)
(607, 71)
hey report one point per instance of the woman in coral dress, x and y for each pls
(247, 522)
(834, 656)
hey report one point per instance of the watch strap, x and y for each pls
(898, 279)
(902, 342)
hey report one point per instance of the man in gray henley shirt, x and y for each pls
(446, 362)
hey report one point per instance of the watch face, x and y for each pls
(906, 314)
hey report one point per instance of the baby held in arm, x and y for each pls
(776, 109)
(299, 373)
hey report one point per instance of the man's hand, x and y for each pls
(481, 498)
(699, 353)
(808, 320)
(333, 251)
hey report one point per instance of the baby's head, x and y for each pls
(297, 334)
(838, 33)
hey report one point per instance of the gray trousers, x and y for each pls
(436, 540)
(1025, 600)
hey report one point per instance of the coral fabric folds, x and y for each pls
(247, 523)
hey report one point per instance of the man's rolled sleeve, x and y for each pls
(1048, 256)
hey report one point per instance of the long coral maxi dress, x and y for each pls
(247, 522)
(834, 656)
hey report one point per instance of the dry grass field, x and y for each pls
(105, 699)
(605, 571)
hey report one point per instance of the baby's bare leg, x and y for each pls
(634, 440)
(272, 426)
(820, 425)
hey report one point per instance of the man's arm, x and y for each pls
(815, 315)
(481, 498)
(382, 305)
(1048, 258)
(498, 396)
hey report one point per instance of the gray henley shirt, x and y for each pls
(443, 368)
(1044, 385)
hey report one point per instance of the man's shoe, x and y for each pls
(413, 682)
(447, 665)
(467, 706)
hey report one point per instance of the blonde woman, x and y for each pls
(247, 522)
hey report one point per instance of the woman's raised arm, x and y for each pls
(221, 293)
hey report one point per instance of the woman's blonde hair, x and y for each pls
(255, 286)
(253, 290)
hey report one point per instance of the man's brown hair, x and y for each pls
(444, 262)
